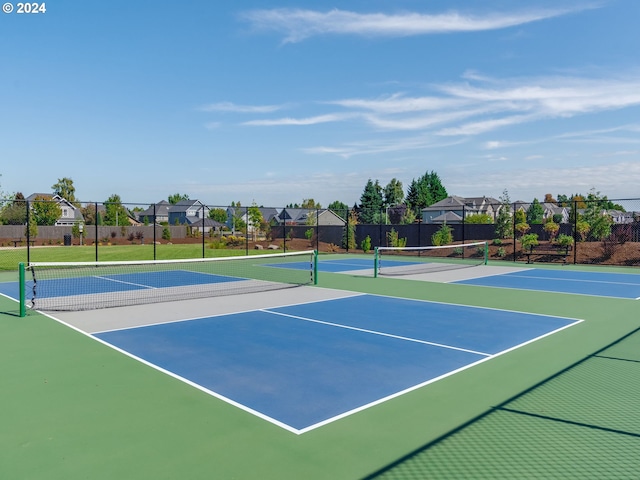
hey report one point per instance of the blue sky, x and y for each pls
(274, 102)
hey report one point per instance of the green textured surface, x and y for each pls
(74, 408)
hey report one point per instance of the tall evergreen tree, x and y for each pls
(393, 193)
(535, 213)
(436, 189)
(339, 208)
(371, 202)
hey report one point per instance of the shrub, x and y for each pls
(366, 244)
(564, 240)
(497, 242)
(552, 229)
(444, 236)
(394, 241)
(583, 229)
(522, 228)
(166, 233)
(529, 240)
(501, 252)
(308, 234)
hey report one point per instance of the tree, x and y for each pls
(218, 214)
(548, 198)
(311, 204)
(255, 219)
(393, 193)
(535, 213)
(114, 212)
(503, 220)
(418, 195)
(370, 202)
(65, 189)
(45, 211)
(339, 208)
(15, 212)
(89, 214)
(349, 233)
(425, 191)
(478, 218)
(177, 197)
(237, 223)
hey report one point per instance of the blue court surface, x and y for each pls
(302, 366)
(601, 284)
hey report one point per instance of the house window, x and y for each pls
(65, 212)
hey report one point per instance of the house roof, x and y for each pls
(448, 217)
(207, 222)
(184, 205)
(161, 209)
(449, 203)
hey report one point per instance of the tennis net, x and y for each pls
(93, 285)
(392, 261)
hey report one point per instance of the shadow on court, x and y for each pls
(586, 413)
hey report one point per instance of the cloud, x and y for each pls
(232, 107)
(299, 24)
(298, 121)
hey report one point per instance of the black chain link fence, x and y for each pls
(605, 232)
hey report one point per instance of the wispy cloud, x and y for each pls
(233, 107)
(299, 24)
(337, 117)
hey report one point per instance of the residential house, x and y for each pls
(306, 216)
(158, 213)
(548, 210)
(70, 214)
(186, 212)
(207, 226)
(449, 210)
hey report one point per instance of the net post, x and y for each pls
(486, 253)
(315, 267)
(23, 297)
(375, 262)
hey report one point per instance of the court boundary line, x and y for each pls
(375, 332)
(543, 291)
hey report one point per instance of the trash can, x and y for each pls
(67, 240)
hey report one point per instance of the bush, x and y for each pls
(444, 236)
(564, 240)
(552, 229)
(583, 229)
(394, 241)
(529, 240)
(501, 253)
(366, 244)
(522, 228)
(497, 242)
(166, 233)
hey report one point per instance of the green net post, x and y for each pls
(375, 262)
(486, 253)
(315, 267)
(23, 297)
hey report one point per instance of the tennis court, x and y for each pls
(304, 365)
(355, 377)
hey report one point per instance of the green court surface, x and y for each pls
(564, 406)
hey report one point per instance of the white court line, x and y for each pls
(122, 281)
(374, 332)
(578, 280)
